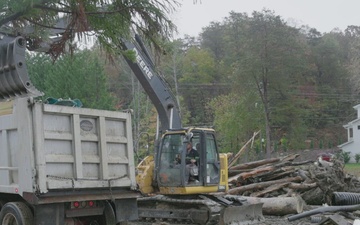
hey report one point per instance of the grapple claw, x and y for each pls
(14, 77)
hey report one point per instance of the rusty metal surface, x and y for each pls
(70, 196)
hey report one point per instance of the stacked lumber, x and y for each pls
(314, 181)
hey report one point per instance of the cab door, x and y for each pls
(212, 167)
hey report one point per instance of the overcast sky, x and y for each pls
(324, 15)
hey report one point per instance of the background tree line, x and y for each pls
(246, 73)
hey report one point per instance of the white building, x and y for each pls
(353, 133)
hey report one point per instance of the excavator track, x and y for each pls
(197, 210)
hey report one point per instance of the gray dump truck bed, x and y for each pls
(51, 147)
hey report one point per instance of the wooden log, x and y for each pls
(279, 206)
(302, 163)
(277, 171)
(304, 174)
(302, 186)
(278, 175)
(289, 193)
(254, 164)
(241, 189)
(237, 156)
(246, 175)
(291, 157)
(233, 179)
(236, 172)
(270, 189)
(282, 164)
(314, 196)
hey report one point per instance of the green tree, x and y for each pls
(329, 91)
(352, 33)
(236, 117)
(196, 83)
(107, 20)
(269, 59)
(217, 45)
(171, 67)
(79, 77)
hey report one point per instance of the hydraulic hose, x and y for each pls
(347, 208)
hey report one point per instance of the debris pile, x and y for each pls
(285, 185)
(314, 181)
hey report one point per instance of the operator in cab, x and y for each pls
(192, 157)
(191, 163)
(191, 154)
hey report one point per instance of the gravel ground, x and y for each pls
(275, 220)
(269, 220)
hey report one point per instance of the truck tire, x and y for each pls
(109, 215)
(16, 213)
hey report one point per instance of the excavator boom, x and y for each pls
(156, 87)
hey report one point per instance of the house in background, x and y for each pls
(353, 133)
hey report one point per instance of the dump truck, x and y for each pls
(60, 164)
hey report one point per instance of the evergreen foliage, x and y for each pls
(80, 76)
(107, 20)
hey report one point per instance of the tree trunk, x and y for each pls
(270, 189)
(254, 164)
(241, 189)
(279, 206)
(314, 196)
(268, 136)
(255, 172)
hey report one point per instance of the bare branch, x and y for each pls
(43, 25)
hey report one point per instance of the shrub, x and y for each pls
(357, 158)
(346, 156)
(343, 156)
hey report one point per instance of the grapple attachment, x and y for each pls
(14, 78)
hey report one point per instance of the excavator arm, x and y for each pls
(155, 87)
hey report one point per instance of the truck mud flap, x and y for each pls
(242, 215)
(14, 77)
(126, 210)
(49, 214)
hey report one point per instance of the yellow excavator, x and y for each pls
(176, 192)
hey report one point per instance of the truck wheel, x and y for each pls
(109, 215)
(16, 213)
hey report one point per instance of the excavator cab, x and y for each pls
(193, 199)
(179, 176)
